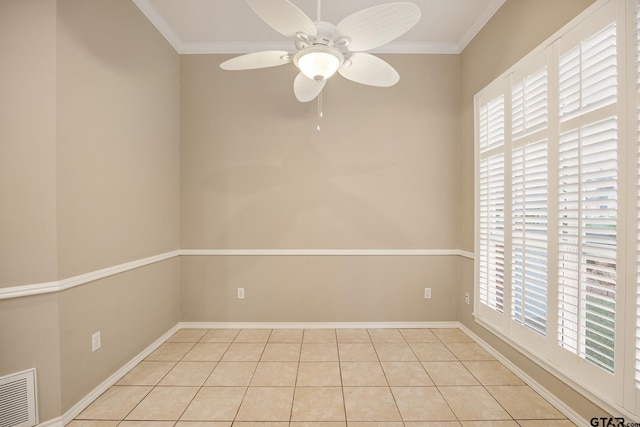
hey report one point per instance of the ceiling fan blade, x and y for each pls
(251, 61)
(369, 70)
(284, 17)
(306, 89)
(378, 25)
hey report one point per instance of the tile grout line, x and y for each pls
(159, 381)
(434, 383)
(295, 385)
(405, 340)
(199, 388)
(244, 396)
(204, 381)
(344, 401)
(393, 396)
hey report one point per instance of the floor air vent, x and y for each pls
(18, 400)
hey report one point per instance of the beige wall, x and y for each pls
(130, 310)
(89, 179)
(30, 338)
(117, 137)
(319, 288)
(28, 253)
(381, 174)
(516, 29)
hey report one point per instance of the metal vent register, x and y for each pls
(18, 400)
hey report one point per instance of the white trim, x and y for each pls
(327, 252)
(235, 47)
(467, 254)
(610, 407)
(80, 406)
(479, 23)
(72, 282)
(160, 23)
(28, 290)
(117, 269)
(536, 386)
(54, 422)
(317, 325)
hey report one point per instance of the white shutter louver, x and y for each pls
(492, 204)
(588, 200)
(588, 75)
(588, 242)
(529, 105)
(492, 125)
(492, 232)
(529, 200)
(529, 236)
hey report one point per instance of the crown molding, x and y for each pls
(250, 47)
(239, 47)
(479, 23)
(160, 23)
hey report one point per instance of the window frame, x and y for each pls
(620, 392)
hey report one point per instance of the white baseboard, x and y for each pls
(55, 422)
(80, 406)
(542, 391)
(316, 325)
(113, 379)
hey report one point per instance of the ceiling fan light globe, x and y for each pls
(318, 62)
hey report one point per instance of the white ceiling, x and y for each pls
(230, 26)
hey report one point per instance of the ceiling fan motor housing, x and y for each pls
(318, 62)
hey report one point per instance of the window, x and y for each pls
(529, 200)
(588, 190)
(492, 205)
(555, 220)
(587, 242)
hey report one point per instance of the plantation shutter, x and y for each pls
(492, 232)
(529, 189)
(588, 195)
(492, 204)
(588, 75)
(529, 236)
(492, 125)
(529, 105)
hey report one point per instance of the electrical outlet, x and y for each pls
(466, 297)
(427, 293)
(96, 341)
(240, 293)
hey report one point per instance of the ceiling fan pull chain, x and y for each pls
(319, 110)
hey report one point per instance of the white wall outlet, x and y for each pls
(467, 297)
(96, 341)
(240, 293)
(427, 293)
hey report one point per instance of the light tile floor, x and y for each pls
(320, 378)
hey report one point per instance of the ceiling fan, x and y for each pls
(323, 48)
